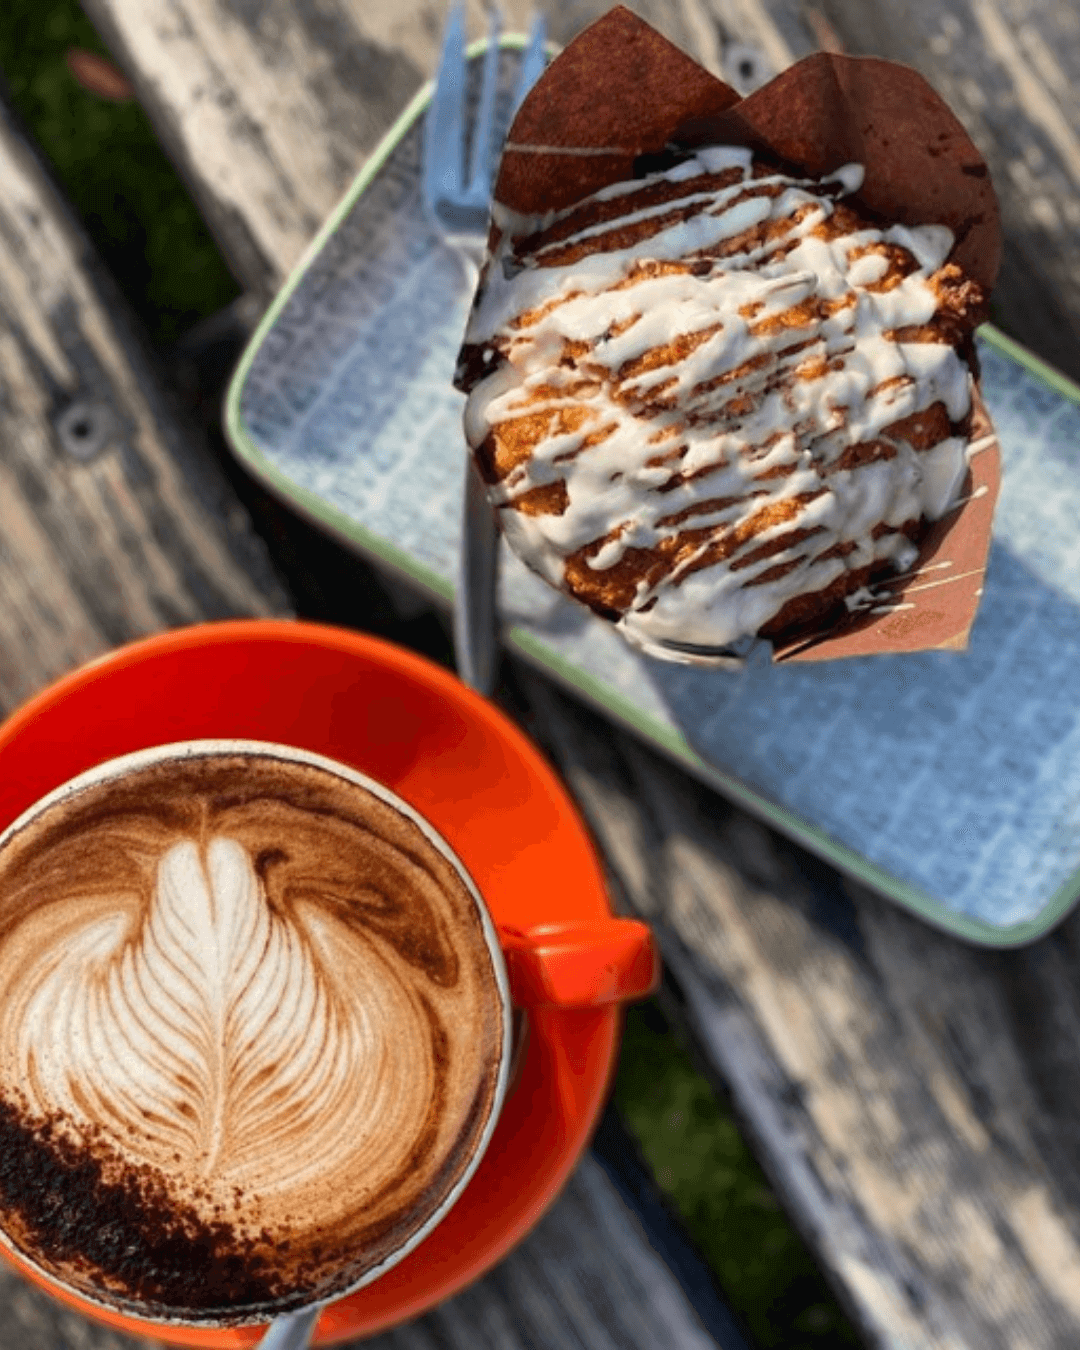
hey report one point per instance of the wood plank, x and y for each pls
(116, 522)
(540, 1298)
(113, 525)
(912, 1099)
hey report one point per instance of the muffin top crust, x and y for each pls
(717, 400)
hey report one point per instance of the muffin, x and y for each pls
(719, 398)
(717, 401)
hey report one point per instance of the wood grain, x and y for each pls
(912, 1099)
(133, 531)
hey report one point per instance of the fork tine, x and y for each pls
(532, 62)
(444, 127)
(480, 155)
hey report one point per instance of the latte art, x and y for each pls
(248, 1007)
(216, 1032)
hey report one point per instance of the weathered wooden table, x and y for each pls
(914, 1101)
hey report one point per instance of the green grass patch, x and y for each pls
(108, 160)
(708, 1174)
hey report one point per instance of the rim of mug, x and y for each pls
(202, 748)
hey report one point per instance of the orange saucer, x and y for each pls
(460, 762)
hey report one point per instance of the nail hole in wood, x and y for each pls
(85, 428)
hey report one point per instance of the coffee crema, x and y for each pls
(252, 1034)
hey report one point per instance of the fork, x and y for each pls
(458, 207)
(291, 1331)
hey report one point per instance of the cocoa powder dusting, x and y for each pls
(116, 1228)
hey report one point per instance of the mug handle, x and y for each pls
(583, 964)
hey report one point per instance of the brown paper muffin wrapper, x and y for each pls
(621, 97)
(932, 607)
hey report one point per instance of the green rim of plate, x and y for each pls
(610, 701)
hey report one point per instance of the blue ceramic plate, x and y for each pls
(948, 781)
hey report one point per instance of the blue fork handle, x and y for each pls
(533, 61)
(476, 647)
(482, 146)
(475, 640)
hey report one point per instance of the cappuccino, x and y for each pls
(253, 1032)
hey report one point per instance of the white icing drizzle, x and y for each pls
(977, 447)
(752, 423)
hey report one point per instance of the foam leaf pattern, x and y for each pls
(215, 1036)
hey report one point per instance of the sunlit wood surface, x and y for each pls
(914, 1101)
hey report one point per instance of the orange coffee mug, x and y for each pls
(443, 752)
